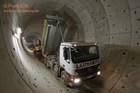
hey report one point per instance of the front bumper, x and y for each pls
(77, 81)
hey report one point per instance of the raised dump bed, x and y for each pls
(54, 31)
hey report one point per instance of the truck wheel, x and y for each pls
(47, 65)
(64, 78)
(56, 71)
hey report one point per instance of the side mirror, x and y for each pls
(65, 53)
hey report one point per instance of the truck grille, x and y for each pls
(87, 71)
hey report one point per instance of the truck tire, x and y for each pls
(64, 78)
(56, 70)
(47, 65)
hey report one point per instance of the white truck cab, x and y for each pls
(79, 60)
(73, 62)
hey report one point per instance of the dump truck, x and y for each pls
(72, 61)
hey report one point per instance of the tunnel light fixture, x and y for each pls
(18, 32)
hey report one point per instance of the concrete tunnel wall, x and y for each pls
(113, 24)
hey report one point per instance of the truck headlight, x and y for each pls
(98, 73)
(77, 80)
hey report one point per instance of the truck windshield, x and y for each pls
(82, 53)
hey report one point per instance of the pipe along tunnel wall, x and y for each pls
(113, 24)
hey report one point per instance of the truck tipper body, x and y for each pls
(73, 62)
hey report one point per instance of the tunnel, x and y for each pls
(113, 24)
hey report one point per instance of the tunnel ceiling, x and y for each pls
(72, 12)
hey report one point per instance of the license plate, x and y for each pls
(90, 76)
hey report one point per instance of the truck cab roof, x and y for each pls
(74, 44)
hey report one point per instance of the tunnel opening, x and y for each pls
(33, 24)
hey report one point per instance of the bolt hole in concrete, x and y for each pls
(135, 12)
(137, 43)
(126, 75)
(113, 25)
(124, 11)
(138, 19)
(124, 53)
(123, 87)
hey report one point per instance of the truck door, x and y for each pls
(65, 58)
